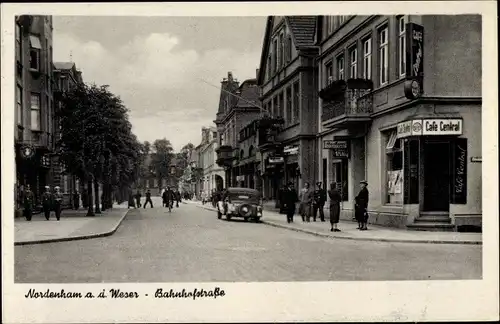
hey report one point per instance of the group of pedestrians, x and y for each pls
(170, 196)
(51, 201)
(313, 201)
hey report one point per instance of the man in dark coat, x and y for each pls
(28, 202)
(290, 198)
(361, 206)
(138, 199)
(148, 199)
(177, 198)
(319, 199)
(47, 202)
(76, 200)
(168, 197)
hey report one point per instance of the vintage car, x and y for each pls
(245, 203)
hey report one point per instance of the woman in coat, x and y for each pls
(306, 196)
(335, 199)
(361, 206)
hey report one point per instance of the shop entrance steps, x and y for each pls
(432, 221)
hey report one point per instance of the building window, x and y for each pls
(19, 54)
(282, 51)
(329, 72)
(19, 105)
(35, 47)
(35, 112)
(367, 59)
(269, 66)
(289, 49)
(275, 55)
(250, 151)
(281, 105)
(402, 46)
(394, 167)
(383, 56)
(340, 68)
(342, 19)
(296, 101)
(353, 63)
(289, 111)
(275, 107)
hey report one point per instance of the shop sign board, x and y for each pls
(340, 149)
(291, 150)
(409, 128)
(240, 178)
(442, 127)
(276, 160)
(459, 172)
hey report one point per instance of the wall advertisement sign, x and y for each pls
(409, 128)
(340, 149)
(459, 172)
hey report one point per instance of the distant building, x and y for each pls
(213, 174)
(34, 130)
(66, 77)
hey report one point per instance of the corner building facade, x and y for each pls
(400, 106)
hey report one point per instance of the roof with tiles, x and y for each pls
(249, 94)
(303, 29)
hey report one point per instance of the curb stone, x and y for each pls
(360, 238)
(76, 238)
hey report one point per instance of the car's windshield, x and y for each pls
(243, 196)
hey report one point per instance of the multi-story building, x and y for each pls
(288, 79)
(34, 135)
(238, 107)
(400, 106)
(66, 77)
(213, 174)
(196, 167)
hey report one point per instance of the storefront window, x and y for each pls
(394, 167)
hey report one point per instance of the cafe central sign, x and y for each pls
(430, 127)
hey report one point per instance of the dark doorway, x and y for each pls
(437, 176)
(340, 176)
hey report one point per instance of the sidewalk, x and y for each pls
(374, 233)
(72, 226)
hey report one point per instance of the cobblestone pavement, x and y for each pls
(191, 245)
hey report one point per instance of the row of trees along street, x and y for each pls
(97, 144)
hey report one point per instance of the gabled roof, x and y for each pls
(227, 85)
(64, 65)
(303, 30)
(249, 93)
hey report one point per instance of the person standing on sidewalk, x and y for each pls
(148, 199)
(76, 200)
(47, 202)
(289, 199)
(28, 202)
(361, 206)
(335, 199)
(306, 196)
(319, 202)
(138, 199)
(177, 198)
(58, 198)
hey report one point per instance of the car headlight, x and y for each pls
(232, 207)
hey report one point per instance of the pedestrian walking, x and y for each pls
(319, 200)
(58, 199)
(28, 202)
(335, 199)
(162, 192)
(138, 199)
(168, 198)
(148, 199)
(177, 198)
(361, 206)
(47, 202)
(306, 196)
(130, 199)
(289, 199)
(76, 200)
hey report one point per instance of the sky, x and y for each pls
(157, 64)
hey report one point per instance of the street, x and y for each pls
(191, 245)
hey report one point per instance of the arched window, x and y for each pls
(250, 151)
(242, 154)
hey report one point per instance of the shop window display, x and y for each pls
(394, 169)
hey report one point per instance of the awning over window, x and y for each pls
(392, 140)
(35, 42)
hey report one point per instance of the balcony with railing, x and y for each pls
(346, 103)
(224, 155)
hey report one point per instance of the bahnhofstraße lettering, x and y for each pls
(32, 293)
(217, 292)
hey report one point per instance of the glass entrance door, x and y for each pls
(436, 176)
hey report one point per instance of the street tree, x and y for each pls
(161, 158)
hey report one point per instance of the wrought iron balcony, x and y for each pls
(349, 102)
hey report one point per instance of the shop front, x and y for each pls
(291, 165)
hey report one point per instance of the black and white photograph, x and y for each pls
(173, 157)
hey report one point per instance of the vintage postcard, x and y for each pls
(249, 162)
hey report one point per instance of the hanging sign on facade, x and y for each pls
(240, 178)
(414, 70)
(409, 128)
(27, 151)
(459, 172)
(340, 149)
(276, 160)
(442, 127)
(291, 150)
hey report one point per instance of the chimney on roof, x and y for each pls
(257, 73)
(230, 76)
